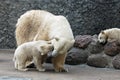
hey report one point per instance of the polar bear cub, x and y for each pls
(31, 51)
(112, 34)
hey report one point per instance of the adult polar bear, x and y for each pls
(43, 25)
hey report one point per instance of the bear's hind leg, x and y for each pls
(21, 66)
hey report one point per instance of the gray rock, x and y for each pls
(77, 56)
(116, 62)
(95, 47)
(111, 48)
(98, 60)
(82, 41)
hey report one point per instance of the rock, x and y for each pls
(111, 48)
(76, 56)
(116, 62)
(95, 47)
(98, 60)
(82, 41)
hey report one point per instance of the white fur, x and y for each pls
(64, 34)
(31, 51)
(112, 34)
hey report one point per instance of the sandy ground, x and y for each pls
(78, 72)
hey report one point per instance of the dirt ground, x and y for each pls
(78, 72)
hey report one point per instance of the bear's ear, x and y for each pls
(102, 32)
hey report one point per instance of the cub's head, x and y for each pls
(102, 37)
(46, 47)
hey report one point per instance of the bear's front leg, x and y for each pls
(38, 63)
(58, 62)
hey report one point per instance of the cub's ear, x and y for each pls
(102, 32)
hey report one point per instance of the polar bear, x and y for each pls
(109, 35)
(43, 25)
(29, 51)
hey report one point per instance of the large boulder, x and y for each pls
(116, 62)
(98, 60)
(95, 47)
(111, 48)
(77, 56)
(82, 41)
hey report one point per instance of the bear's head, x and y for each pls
(46, 47)
(102, 37)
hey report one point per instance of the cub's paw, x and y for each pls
(41, 69)
(23, 69)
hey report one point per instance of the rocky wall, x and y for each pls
(85, 16)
